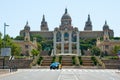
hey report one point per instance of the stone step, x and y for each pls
(66, 60)
(67, 64)
(46, 64)
(47, 61)
(112, 66)
(88, 61)
(88, 64)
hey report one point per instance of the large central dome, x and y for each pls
(66, 15)
(66, 21)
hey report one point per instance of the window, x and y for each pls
(74, 36)
(66, 36)
(58, 37)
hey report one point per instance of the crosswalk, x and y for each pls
(70, 70)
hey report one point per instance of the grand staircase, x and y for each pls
(46, 61)
(87, 61)
(67, 61)
(111, 64)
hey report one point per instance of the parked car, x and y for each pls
(55, 65)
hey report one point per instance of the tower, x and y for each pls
(44, 26)
(88, 24)
(98, 41)
(106, 31)
(35, 41)
(27, 30)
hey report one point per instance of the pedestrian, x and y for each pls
(60, 66)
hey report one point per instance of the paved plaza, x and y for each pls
(64, 74)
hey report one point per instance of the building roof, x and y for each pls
(66, 15)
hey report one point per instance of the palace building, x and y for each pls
(66, 37)
(106, 45)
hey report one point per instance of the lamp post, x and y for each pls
(5, 25)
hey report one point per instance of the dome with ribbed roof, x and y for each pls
(66, 15)
(105, 27)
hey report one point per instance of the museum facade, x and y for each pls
(66, 38)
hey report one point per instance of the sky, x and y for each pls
(17, 12)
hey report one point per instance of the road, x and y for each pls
(64, 74)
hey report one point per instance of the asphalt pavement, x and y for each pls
(63, 74)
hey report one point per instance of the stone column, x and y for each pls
(54, 42)
(78, 50)
(70, 45)
(62, 43)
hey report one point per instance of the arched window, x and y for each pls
(74, 36)
(58, 37)
(66, 36)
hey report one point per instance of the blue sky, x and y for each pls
(17, 12)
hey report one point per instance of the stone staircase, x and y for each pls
(111, 64)
(46, 61)
(67, 61)
(87, 61)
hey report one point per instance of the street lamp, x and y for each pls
(5, 25)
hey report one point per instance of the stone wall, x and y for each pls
(17, 63)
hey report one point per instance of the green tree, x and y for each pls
(0, 40)
(39, 47)
(47, 45)
(15, 48)
(39, 38)
(95, 51)
(86, 44)
(34, 52)
(116, 49)
(19, 38)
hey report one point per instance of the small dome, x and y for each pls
(56, 29)
(27, 27)
(105, 26)
(66, 15)
(76, 29)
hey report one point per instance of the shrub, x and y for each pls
(73, 60)
(80, 60)
(60, 59)
(39, 60)
(114, 57)
(94, 60)
(53, 59)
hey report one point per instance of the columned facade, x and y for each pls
(70, 43)
(54, 43)
(66, 42)
(66, 37)
(62, 42)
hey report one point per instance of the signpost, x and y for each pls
(5, 51)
